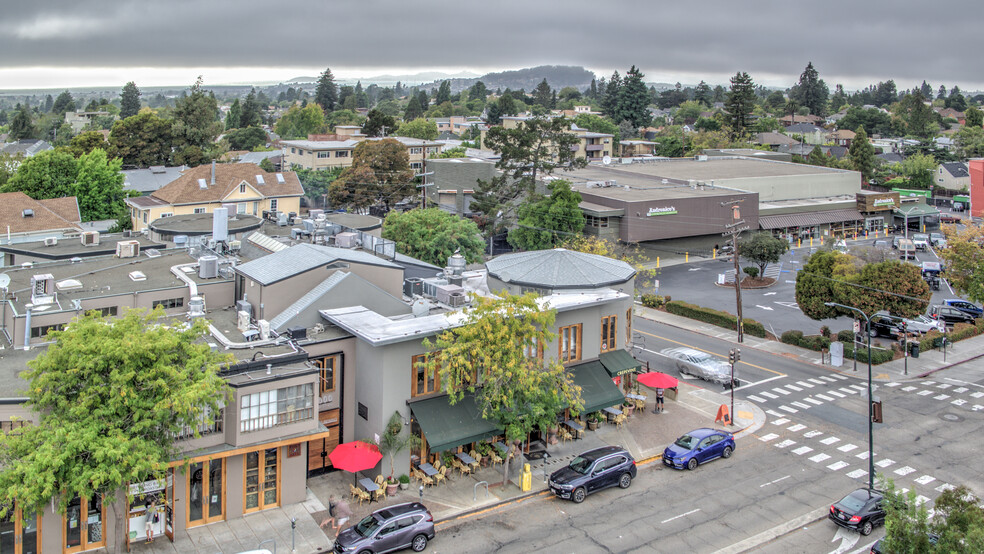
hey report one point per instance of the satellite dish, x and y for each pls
(606, 160)
(4, 280)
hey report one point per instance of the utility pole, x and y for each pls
(734, 356)
(734, 229)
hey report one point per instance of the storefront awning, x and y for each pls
(808, 219)
(916, 209)
(619, 362)
(446, 426)
(597, 389)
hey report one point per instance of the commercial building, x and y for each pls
(976, 187)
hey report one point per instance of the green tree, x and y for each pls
(99, 186)
(873, 120)
(266, 165)
(914, 117)
(419, 128)
(394, 440)
(970, 142)
(609, 102)
(958, 521)
(918, 170)
(535, 148)
(633, 100)
(86, 142)
(547, 221)
(64, 103)
(811, 91)
(8, 167)
(973, 117)
(815, 285)
(48, 174)
(433, 235)
(443, 93)
(740, 103)
(478, 91)
(248, 138)
(380, 174)
(109, 396)
(233, 116)
(315, 182)
(543, 94)
(252, 113)
(300, 122)
(414, 110)
(703, 94)
(196, 120)
(456, 152)
(129, 100)
(906, 523)
(343, 117)
(597, 124)
(378, 124)
(688, 112)
(964, 257)
(762, 249)
(142, 140)
(326, 93)
(487, 357)
(22, 125)
(862, 155)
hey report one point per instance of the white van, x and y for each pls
(907, 250)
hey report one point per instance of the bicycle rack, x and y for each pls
(475, 490)
(266, 541)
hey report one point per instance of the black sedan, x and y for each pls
(592, 471)
(861, 510)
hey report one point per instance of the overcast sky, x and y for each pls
(64, 43)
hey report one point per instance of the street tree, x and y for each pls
(433, 235)
(380, 174)
(316, 182)
(762, 249)
(534, 149)
(326, 93)
(419, 128)
(547, 221)
(142, 140)
(811, 91)
(129, 100)
(964, 258)
(957, 522)
(973, 117)
(379, 124)
(740, 103)
(109, 398)
(862, 154)
(489, 357)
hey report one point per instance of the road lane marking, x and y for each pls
(959, 402)
(847, 447)
(794, 388)
(910, 388)
(788, 409)
(797, 427)
(925, 479)
(830, 440)
(847, 540)
(774, 481)
(774, 413)
(757, 399)
(904, 470)
(769, 395)
(836, 466)
(781, 391)
(924, 392)
(960, 390)
(863, 455)
(801, 405)
(816, 381)
(769, 437)
(802, 450)
(681, 515)
(820, 457)
(824, 398)
(787, 443)
(709, 352)
(812, 400)
(944, 487)
(812, 434)
(780, 421)
(828, 379)
(941, 397)
(943, 386)
(755, 383)
(883, 463)
(857, 474)
(835, 393)
(804, 384)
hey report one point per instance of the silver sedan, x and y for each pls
(699, 364)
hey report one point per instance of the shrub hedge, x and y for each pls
(714, 317)
(654, 300)
(812, 342)
(877, 356)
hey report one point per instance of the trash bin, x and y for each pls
(914, 349)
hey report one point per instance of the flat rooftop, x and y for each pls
(642, 187)
(70, 247)
(715, 168)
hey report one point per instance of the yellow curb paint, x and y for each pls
(883, 376)
(746, 415)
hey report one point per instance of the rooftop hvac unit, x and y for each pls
(42, 288)
(196, 306)
(420, 307)
(244, 306)
(235, 245)
(282, 219)
(264, 326)
(308, 225)
(208, 267)
(127, 234)
(456, 264)
(127, 249)
(50, 241)
(297, 333)
(430, 286)
(90, 238)
(346, 240)
(180, 241)
(456, 280)
(457, 299)
(220, 224)
(413, 287)
(443, 292)
(242, 321)
(610, 183)
(316, 214)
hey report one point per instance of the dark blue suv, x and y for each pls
(592, 471)
(698, 447)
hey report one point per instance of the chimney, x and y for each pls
(213, 173)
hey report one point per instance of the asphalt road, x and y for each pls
(775, 491)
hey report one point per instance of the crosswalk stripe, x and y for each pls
(816, 381)
(788, 409)
(820, 457)
(769, 437)
(794, 388)
(782, 391)
(944, 487)
(797, 427)
(828, 379)
(924, 392)
(857, 474)
(847, 447)
(863, 455)
(804, 384)
(780, 421)
(943, 386)
(800, 405)
(802, 450)
(837, 466)
(905, 470)
(837, 376)
(835, 393)
(884, 462)
(928, 383)
(960, 390)
(757, 399)
(893, 384)
(941, 397)
(774, 413)
(786, 443)
(812, 434)
(925, 479)
(824, 397)
(812, 400)
(768, 395)
(830, 440)
(910, 388)
(847, 390)
(977, 394)
(959, 402)
(859, 387)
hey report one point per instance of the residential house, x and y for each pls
(811, 133)
(834, 118)
(788, 120)
(842, 137)
(25, 219)
(636, 148)
(774, 140)
(244, 188)
(945, 143)
(26, 147)
(593, 146)
(953, 176)
(80, 120)
(950, 113)
(146, 181)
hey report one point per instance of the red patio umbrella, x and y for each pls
(657, 380)
(355, 456)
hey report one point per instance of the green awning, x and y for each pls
(917, 209)
(597, 389)
(446, 426)
(619, 362)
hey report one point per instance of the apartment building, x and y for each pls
(329, 154)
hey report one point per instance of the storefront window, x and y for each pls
(18, 534)
(84, 524)
(206, 492)
(262, 478)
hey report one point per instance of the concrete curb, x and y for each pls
(948, 366)
(776, 532)
(489, 507)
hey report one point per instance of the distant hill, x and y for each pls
(557, 76)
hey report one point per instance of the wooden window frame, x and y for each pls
(206, 492)
(609, 327)
(261, 505)
(570, 331)
(628, 327)
(84, 543)
(422, 359)
(324, 387)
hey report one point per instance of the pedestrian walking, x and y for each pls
(342, 515)
(659, 401)
(151, 519)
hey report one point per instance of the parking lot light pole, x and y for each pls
(871, 415)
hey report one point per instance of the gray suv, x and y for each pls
(389, 529)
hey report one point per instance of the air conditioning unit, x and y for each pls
(208, 267)
(430, 286)
(413, 286)
(50, 241)
(244, 306)
(127, 249)
(457, 299)
(90, 238)
(346, 240)
(443, 292)
(264, 326)
(235, 245)
(242, 321)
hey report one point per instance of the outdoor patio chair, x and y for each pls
(476, 464)
(441, 475)
(565, 435)
(426, 480)
(496, 459)
(356, 493)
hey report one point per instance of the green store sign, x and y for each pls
(669, 210)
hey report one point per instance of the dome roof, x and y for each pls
(559, 269)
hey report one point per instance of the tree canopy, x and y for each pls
(300, 122)
(547, 221)
(419, 128)
(811, 91)
(433, 235)
(326, 92)
(196, 123)
(762, 249)
(378, 124)
(380, 173)
(110, 398)
(248, 138)
(957, 522)
(964, 257)
(862, 154)
(129, 100)
(740, 103)
(142, 140)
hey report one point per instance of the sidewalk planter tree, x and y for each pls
(392, 442)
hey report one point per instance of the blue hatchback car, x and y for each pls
(699, 447)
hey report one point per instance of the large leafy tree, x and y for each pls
(326, 93)
(414, 110)
(862, 154)
(22, 124)
(957, 522)
(109, 397)
(918, 170)
(86, 142)
(964, 257)
(99, 186)
(546, 221)
(914, 117)
(64, 103)
(142, 140)
(316, 182)
(740, 103)
(129, 100)
(300, 122)
(443, 93)
(488, 356)
(196, 121)
(970, 142)
(48, 174)
(248, 138)
(973, 117)
(762, 249)
(811, 91)
(378, 124)
(534, 149)
(633, 100)
(380, 174)
(419, 128)
(433, 235)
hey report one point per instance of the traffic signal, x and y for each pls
(876, 411)
(731, 356)
(737, 354)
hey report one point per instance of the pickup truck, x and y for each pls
(921, 241)
(949, 218)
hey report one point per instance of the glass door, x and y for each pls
(216, 492)
(206, 492)
(196, 492)
(73, 525)
(85, 524)
(262, 477)
(271, 470)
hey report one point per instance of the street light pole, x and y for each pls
(871, 415)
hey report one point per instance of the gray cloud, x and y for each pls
(856, 42)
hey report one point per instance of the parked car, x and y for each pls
(700, 364)
(895, 241)
(877, 549)
(885, 325)
(922, 324)
(949, 218)
(879, 243)
(937, 239)
(949, 315)
(389, 529)
(861, 510)
(699, 447)
(964, 306)
(907, 250)
(593, 471)
(921, 240)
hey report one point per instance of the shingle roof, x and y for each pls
(559, 269)
(150, 179)
(303, 257)
(772, 138)
(66, 207)
(957, 169)
(13, 204)
(186, 190)
(803, 128)
(26, 147)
